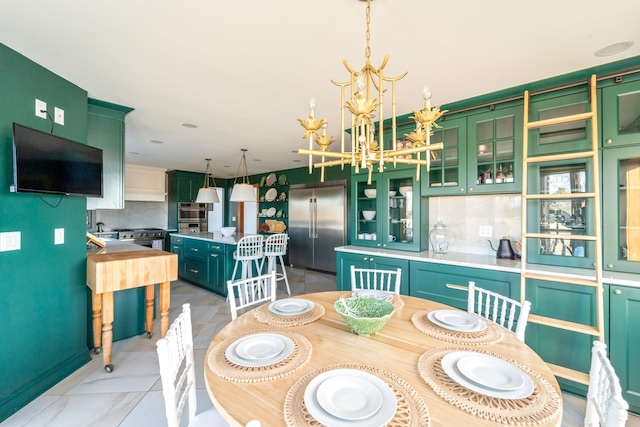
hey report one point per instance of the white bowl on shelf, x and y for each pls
(404, 190)
(392, 193)
(227, 231)
(369, 215)
(370, 193)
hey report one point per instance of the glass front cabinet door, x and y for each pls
(621, 208)
(621, 114)
(447, 168)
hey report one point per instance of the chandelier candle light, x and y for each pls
(365, 150)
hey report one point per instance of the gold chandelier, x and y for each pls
(366, 151)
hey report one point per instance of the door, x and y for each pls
(300, 237)
(329, 229)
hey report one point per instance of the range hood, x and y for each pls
(144, 184)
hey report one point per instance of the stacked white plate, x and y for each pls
(261, 349)
(350, 398)
(291, 306)
(372, 293)
(457, 320)
(487, 375)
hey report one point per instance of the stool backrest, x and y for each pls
(276, 244)
(250, 246)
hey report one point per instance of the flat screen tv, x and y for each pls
(46, 163)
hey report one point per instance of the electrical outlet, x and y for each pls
(10, 241)
(41, 109)
(58, 115)
(485, 231)
(58, 238)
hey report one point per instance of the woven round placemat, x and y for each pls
(228, 370)
(411, 410)
(264, 315)
(489, 335)
(542, 406)
(397, 301)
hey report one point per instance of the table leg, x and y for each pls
(96, 309)
(148, 293)
(107, 329)
(164, 307)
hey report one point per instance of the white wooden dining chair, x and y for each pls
(380, 280)
(177, 372)
(499, 309)
(250, 291)
(605, 405)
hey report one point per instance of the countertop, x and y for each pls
(215, 237)
(115, 246)
(491, 263)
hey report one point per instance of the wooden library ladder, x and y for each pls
(598, 330)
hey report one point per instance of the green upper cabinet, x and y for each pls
(621, 113)
(621, 208)
(388, 212)
(105, 130)
(188, 184)
(561, 138)
(448, 167)
(494, 159)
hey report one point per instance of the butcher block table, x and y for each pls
(125, 266)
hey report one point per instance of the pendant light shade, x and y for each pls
(208, 194)
(244, 191)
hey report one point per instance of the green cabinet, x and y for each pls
(448, 167)
(494, 158)
(182, 187)
(216, 268)
(621, 112)
(105, 130)
(344, 261)
(621, 208)
(433, 281)
(624, 341)
(195, 260)
(389, 212)
(176, 246)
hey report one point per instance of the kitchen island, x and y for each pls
(120, 266)
(205, 259)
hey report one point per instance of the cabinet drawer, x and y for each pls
(176, 240)
(195, 249)
(216, 247)
(195, 270)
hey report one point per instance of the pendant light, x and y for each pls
(208, 194)
(244, 191)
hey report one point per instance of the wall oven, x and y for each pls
(192, 217)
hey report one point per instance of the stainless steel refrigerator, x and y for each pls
(317, 224)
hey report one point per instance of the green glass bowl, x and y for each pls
(365, 316)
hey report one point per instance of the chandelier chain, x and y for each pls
(367, 51)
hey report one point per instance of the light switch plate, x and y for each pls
(10, 241)
(58, 236)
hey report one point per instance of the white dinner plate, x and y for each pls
(479, 325)
(233, 356)
(379, 418)
(260, 347)
(491, 372)
(349, 398)
(271, 211)
(457, 319)
(291, 306)
(372, 293)
(450, 366)
(271, 195)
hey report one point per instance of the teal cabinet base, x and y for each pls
(345, 260)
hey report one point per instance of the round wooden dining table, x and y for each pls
(406, 354)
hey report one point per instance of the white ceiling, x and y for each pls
(243, 70)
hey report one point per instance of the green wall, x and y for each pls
(43, 295)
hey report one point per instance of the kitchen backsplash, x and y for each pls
(463, 216)
(134, 215)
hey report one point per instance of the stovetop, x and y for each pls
(140, 233)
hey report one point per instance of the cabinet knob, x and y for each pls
(462, 190)
(214, 255)
(194, 249)
(194, 271)
(371, 259)
(384, 245)
(617, 292)
(365, 259)
(610, 265)
(609, 141)
(470, 189)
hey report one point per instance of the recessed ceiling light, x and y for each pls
(614, 48)
(257, 160)
(297, 161)
(189, 125)
(133, 152)
(227, 166)
(156, 141)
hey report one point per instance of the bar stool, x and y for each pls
(275, 246)
(248, 249)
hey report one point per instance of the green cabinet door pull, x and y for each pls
(617, 292)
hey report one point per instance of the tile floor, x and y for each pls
(131, 396)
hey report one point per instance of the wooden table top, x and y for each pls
(395, 348)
